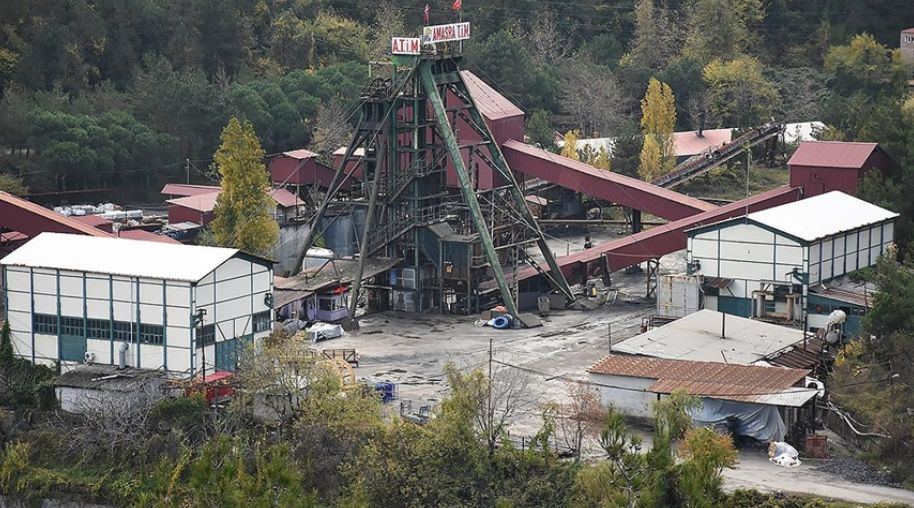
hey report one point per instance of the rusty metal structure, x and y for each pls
(417, 126)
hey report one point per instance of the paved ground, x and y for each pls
(411, 350)
(756, 472)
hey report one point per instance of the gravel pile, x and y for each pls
(856, 471)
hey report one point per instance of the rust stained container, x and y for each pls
(816, 446)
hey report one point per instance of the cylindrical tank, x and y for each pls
(359, 218)
(338, 234)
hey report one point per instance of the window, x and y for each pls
(72, 326)
(124, 331)
(262, 321)
(45, 324)
(206, 335)
(99, 328)
(152, 334)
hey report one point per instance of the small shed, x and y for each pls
(105, 388)
(760, 398)
(299, 168)
(823, 166)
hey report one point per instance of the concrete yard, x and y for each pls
(412, 349)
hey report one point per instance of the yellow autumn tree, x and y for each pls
(242, 213)
(651, 160)
(659, 118)
(570, 148)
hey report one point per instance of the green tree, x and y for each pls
(12, 184)
(720, 28)
(242, 213)
(741, 96)
(658, 120)
(865, 66)
(540, 129)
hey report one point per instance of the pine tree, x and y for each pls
(243, 210)
(6, 348)
(659, 118)
(570, 148)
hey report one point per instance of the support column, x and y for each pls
(636, 221)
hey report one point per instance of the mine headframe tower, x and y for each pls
(450, 239)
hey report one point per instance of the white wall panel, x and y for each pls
(123, 311)
(814, 275)
(243, 326)
(45, 284)
(178, 360)
(839, 265)
(783, 240)
(46, 346)
(747, 233)
(739, 288)
(852, 241)
(233, 308)
(71, 286)
(827, 246)
(626, 394)
(814, 252)
(177, 336)
(707, 235)
(178, 295)
(151, 356)
(888, 233)
(231, 289)
(708, 269)
(70, 306)
(745, 270)
(45, 304)
(225, 329)
(18, 279)
(781, 271)
(827, 270)
(20, 322)
(851, 260)
(746, 252)
(19, 301)
(102, 350)
(704, 249)
(788, 254)
(710, 302)
(151, 292)
(124, 289)
(98, 309)
(207, 280)
(203, 295)
(233, 268)
(151, 314)
(98, 288)
(263, 280)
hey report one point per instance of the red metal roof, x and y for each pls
(832, 154)
(180, 189)
(199, 202)
(746, 383)
(92, 220)
(584, 178)
(139, 234)
(32, 219)
(285, 198)
(908, 31)
(300, 154)
(661, 240)
(689, 143)
(491, 104)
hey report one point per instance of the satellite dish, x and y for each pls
(832, 337)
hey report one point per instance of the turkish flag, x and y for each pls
(427, 9)
(457, 5)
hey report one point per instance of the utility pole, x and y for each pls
(187, 169)
(198, 323)
(489, 415)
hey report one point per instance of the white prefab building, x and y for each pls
(79, 299)
(762, 265)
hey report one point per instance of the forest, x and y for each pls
(128, 95)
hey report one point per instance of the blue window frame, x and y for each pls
(45, 324)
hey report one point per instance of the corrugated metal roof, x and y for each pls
(800, 356)
(688, 143)
(861, 299)
(491, 104)
(832, 154)
(200, 202)
(698, 337)
(300, 154)
(67, 222)
(821, 216)
(180, 189)
(908, 31)
(139, 234)
(341, 151)
(745, 383)
(93, 220)
(119, 256)
(207, 202)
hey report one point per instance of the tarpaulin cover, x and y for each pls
(754, 420)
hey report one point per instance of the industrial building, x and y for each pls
(763, 265)
(825, 166)
(182, 309)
